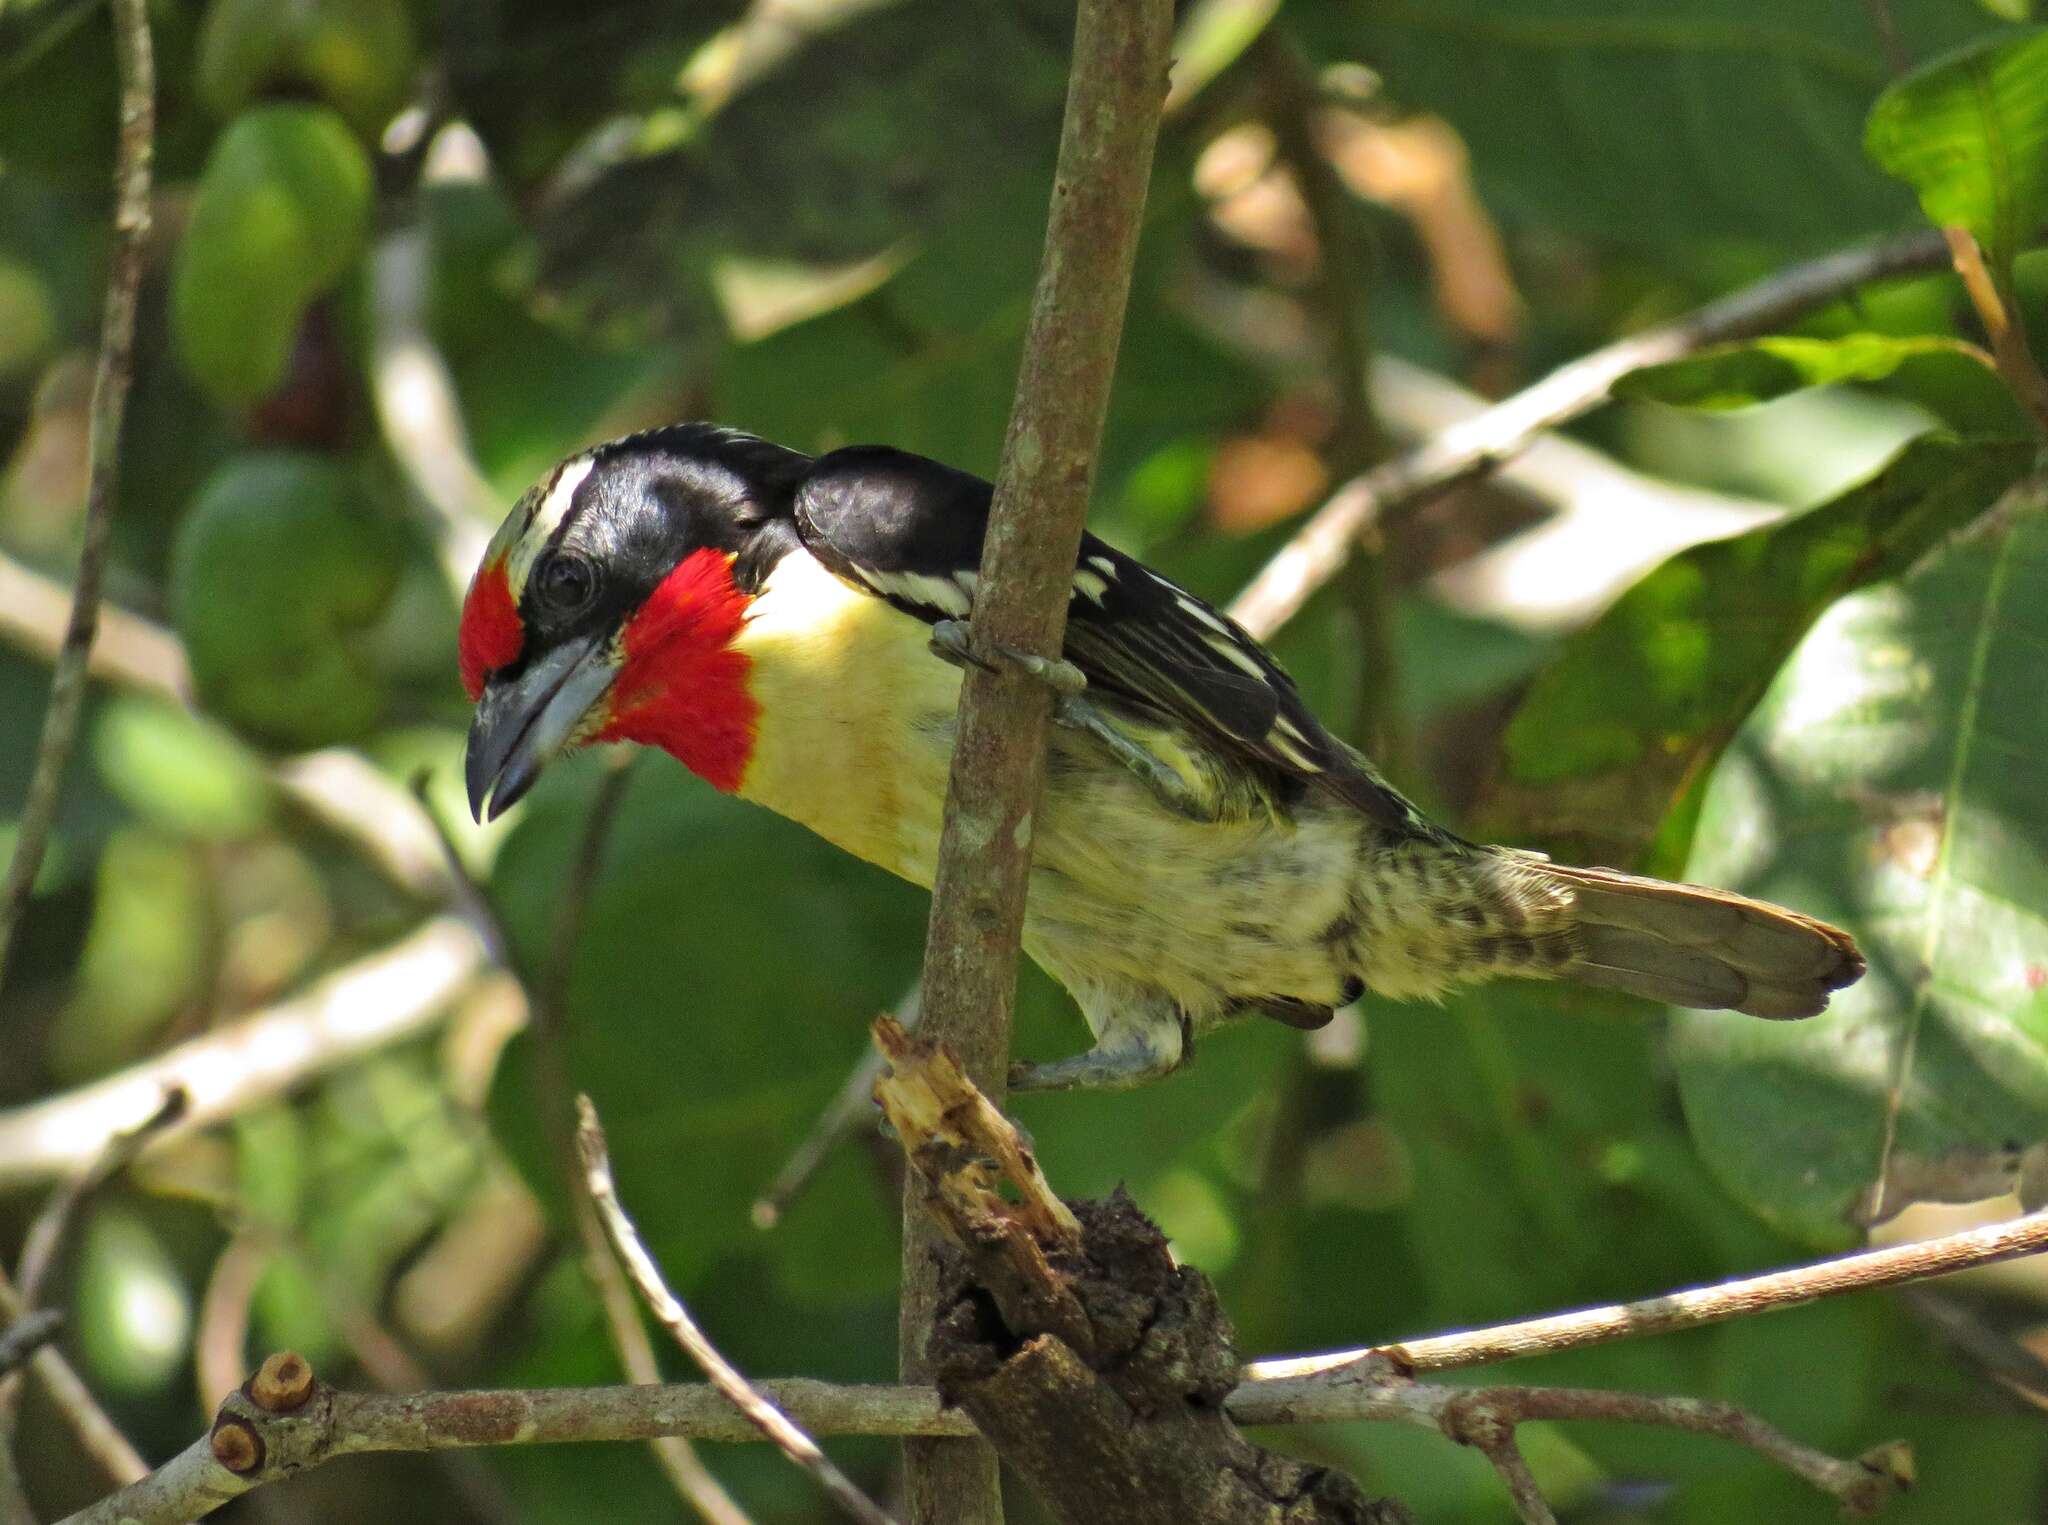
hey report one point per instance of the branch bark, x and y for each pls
(1097, 1365)
(134, 161)
(1116, 88)
(1458, 454)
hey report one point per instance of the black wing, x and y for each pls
(910, 530)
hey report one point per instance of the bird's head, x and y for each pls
(606, 606)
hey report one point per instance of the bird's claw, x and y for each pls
(949, 643)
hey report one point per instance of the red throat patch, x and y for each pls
(492, 636)
(681, 686)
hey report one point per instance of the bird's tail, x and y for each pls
(1445, 915)
(1689, 945)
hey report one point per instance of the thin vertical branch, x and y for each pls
(1116, 88)
(2003, 324)
(677, 1458)
(777, 1427)
(135, 153)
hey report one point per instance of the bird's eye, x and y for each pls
(565, 582)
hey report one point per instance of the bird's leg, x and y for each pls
(1128, 1054)
(1075, 713)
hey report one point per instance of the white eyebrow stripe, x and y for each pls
(547, 517)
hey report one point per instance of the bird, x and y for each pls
(791, 628)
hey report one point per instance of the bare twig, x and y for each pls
(1117, 85)
(130, 651)
(1458, 454)
(851, 1105)
(360, 1008)
(2003, 326)
(555, 1100)
(45, 1235)
(97, 1435)
(350, 1423)
(26, 1335)
(1888, 1267)
(1520, 1482)
(668, 1308)
(1338, 298)
(134, 155)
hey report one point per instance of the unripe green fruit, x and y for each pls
(356, 54)
(282, 213)
(277, 577)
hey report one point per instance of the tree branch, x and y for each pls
(1471, 449)
(338, 1423)
(135, 153)
(1689, 1309)
(1352, 1386)
(774, 1425)
(2004, 326)
(1116, 87)
(376, 1001)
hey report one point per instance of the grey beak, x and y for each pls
(522, 723)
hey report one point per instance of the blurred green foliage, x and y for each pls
(820, 219)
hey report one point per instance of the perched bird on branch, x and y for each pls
(792, 629)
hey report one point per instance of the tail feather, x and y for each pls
(1690, 945)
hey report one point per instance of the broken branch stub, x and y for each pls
(1096, 1366)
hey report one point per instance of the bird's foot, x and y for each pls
(949, 644)
(1139, 1054)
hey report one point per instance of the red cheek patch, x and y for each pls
(681, 686)
(491, 633)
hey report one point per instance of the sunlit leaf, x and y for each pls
(1728, 376)
(1890, 782)
(1636, 707)
(1969, 133)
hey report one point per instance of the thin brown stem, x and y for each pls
(674, 1317)
(554, 1095)
(1689, 1309)
(135, 153)
(45, 1237)
(97, 1436)
(1475, 447)
(1114, 94)
(1513, 1468)
(2003, 326)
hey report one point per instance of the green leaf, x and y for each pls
(281, 213)
(1889, 783)
(1969, 133)
(1636, 707)
(1724, 377)
(280, 542)
(1663, 127)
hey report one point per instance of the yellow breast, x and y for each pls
(856, 717)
